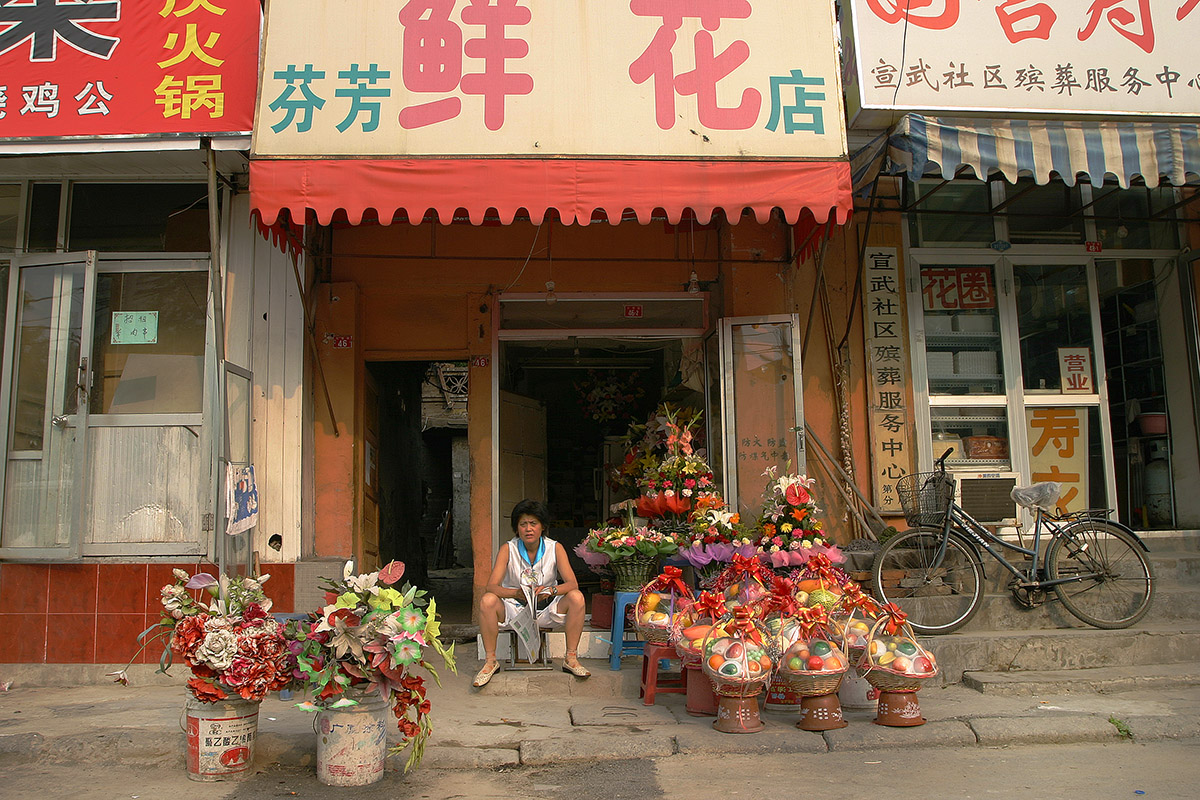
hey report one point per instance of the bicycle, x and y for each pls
(1096, 567)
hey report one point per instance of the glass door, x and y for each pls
(44, 395)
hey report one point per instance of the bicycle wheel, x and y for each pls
(1115, 582)
(937, 599)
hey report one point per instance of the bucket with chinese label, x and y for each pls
(220, 738)
(352, 742)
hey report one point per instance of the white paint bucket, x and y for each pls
(855, 693)
(220, 738)
(352, 742)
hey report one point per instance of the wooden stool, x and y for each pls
(514, 663)
(651, 656)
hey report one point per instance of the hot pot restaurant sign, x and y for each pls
(530, 78)
(127, 67)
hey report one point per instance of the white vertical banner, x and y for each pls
(888, 375)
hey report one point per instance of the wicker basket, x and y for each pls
(888, 681)
(925, 497)
(631, 573)
(812, 684)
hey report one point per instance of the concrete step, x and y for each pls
(1097, 680)
(1066, 649)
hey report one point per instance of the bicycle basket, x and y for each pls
(925, 497)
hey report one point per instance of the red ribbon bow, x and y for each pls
(783, 597)
(811, 618)
(743, 623)
(854, 597)
(711, 605)
(896, 618)
(671, 580)
(820, 564)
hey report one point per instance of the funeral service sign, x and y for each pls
(70, 68)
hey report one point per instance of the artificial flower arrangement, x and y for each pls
(648, 444)
(629, 538)
(233, 647)
(715, 534)
(673, 485)
(607, 396)
(369, 638)
(791, 534)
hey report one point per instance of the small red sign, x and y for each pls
(343, 342)
(1093, 247)
(480, 361)
(633, 312)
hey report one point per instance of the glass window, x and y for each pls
(951, 214)
(1135, 218)
(962, 329)
(42, 227)
(1065, 447)
(10, 209)
(139, 217)
(1047, 214)
(977, 438)
(157, 365)
(1055, 326)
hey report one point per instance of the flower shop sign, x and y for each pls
(118, 67)
(543, 78)
(887, 376)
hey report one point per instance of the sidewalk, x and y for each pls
(532, 718)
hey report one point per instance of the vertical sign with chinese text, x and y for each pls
(1058, 451)
(887, 376)
(127, 67)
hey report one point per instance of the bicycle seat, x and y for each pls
(1040, 495)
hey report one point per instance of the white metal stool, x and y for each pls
(516, 663)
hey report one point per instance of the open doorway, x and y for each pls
(590, 390)
(417, 478)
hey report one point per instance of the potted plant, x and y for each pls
(237, 653)
(358, 657)
(632, 549)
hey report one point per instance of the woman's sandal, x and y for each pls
(578, 670)
(484, 675)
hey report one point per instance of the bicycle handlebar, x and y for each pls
(940, 464)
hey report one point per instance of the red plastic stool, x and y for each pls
(651, 655)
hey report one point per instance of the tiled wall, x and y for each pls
(93, 613)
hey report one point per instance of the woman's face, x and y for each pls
(529, 528)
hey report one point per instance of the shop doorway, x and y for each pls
(416, 486)
(589, 390)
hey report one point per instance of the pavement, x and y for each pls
(75, 715)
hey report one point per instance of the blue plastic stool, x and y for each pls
(621, 603)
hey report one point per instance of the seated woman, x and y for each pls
(543, 563)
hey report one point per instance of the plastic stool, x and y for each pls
(654, 655)
(621, 602)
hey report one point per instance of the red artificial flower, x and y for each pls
(205, 691)
(188, 635)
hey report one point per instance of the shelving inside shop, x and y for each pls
(978, 437)
(962, 352)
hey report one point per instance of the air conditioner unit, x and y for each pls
(985, 495)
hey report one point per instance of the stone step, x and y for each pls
(1096, 680)
(1066, 649)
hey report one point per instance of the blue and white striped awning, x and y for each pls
(1158, 152)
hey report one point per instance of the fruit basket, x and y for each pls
(664, 607)
(812, 664)
(735, 655)
(708, 608)
(894, 661)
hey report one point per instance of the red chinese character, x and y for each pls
(1010, 15)
(1121, 19)
(975, 288)
(940, 288)
(495, 48)
(892, 11)
(432, 60)
(657, 62)
(1186, 9)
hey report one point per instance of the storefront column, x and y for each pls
(336, 461)
(479, 440)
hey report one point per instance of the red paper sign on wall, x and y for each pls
(111, 67)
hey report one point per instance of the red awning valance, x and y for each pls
(575, 188)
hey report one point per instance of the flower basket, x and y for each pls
(631, 573)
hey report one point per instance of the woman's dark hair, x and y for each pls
(533, 508)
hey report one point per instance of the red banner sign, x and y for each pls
(113, 67)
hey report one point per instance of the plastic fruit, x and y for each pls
(736, 650)
(821, 597)
(906, 648)
(820, 648)
(815, 663)
(921, 665)
(651, 601)
(715, 661)
(696, 632)
(901, 664)
(795, 663)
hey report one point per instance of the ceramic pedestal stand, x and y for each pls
(898, 710)
(821, 713)
(738, 714)
(701, 700)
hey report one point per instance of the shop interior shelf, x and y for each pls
(974, 419)
(963, 379)
(961, 338)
